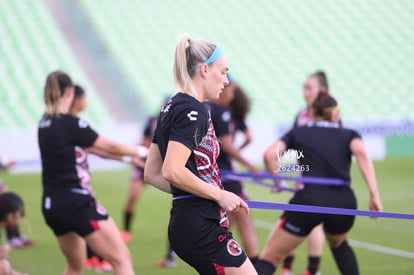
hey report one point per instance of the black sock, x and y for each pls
(254, 259)
(313, 264)
(345, 259)
(287, 263)
(264, 267)
(89, 252)
(12, 232)
(127, 220)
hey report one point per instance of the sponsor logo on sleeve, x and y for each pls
(234, 248)
(192, 115)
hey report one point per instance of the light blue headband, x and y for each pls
(216, 55)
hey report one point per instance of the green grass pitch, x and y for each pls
(395, 178)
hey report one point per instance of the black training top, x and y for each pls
(187, 121)
(63, 141)
(325, 147)
(223, 125)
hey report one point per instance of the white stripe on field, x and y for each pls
(373, 247)
(382, 249)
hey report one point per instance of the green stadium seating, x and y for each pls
(32, 45)
(364, 46)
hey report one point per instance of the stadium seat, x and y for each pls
(365, 48)
(32, 46)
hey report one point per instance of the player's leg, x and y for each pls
(336, 229)
(15, 238)
(344, 255)
(292, 229)
(288, 263)
(315, 247)
(135, 189)
(73, 248)
(278, 246)
(246, 268)
(107, 243)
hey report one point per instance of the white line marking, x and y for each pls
(382, 249)
(373, 247)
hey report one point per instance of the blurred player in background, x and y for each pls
(315, 83)
(328, 149)
(14, 237)
(93, 261)
(182, 160)
(79, 104)
(11, 210)
(136, 185)
(225, 128)
(240, 107)
(135, 190)
(68, 202)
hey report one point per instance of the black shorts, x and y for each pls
(301, 223)
(235, 187)
(203, 243)
(72, 212)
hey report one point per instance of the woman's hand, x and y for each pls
(230, 202)
(375, 204)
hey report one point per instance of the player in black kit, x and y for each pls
(68, 204)
(184, 152)
(225, 128)
(327, 149)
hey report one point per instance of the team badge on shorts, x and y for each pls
(101, 210)
(234, 248)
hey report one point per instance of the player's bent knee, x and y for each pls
(335, 241)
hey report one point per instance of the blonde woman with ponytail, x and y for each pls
(68, 204)
(183, 156)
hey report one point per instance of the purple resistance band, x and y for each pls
(257, 182)
(304, 208)
(326, 210)
(309, 180)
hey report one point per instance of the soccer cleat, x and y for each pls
(126, 236)
(88, 264)
(92, 263)
(105, 266)
(286, 271)
(167, 262)
(20, 242)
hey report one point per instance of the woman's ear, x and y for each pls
(204, 70)
(69, 92)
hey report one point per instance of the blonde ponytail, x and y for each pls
(55, 86)
(189, 53)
